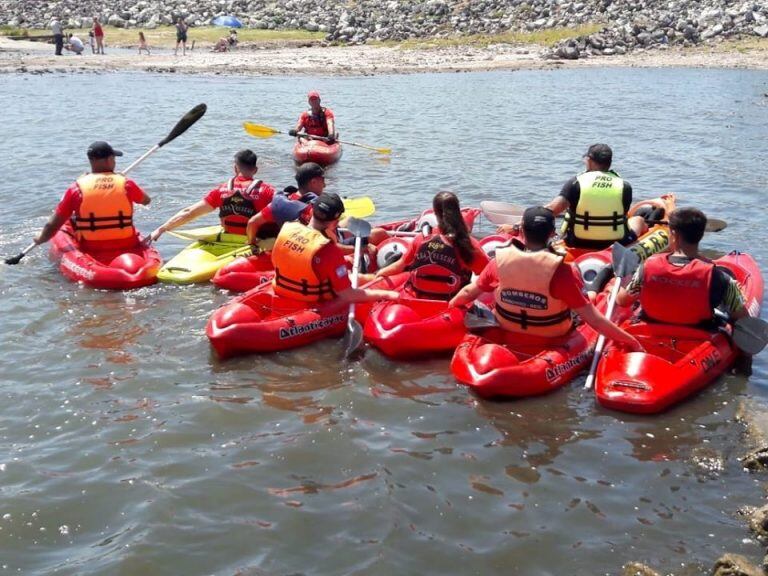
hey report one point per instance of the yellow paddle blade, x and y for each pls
(359, 207)
(259, 130)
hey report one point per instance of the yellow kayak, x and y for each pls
(211, 250)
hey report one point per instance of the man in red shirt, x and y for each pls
(310, 266)
(317, 121)
(237, 200)
(535, 290)
(291, 205)
(100, 205)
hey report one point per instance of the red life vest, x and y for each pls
(437, 271)
(676, 294)
(238, 204)
(315, 125)
(105, 212)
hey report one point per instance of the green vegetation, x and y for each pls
(548, 37)
(6, 30)
(745, 45)
(166, 35)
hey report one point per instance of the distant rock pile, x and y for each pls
(628, 24)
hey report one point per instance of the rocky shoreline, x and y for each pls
(628, 25)
(363, 60)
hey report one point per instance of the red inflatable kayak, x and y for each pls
(260, 321)
(106, 269)
(306, 150)
(246, 273)
(501, 363)
(414, 328)
(678, 360)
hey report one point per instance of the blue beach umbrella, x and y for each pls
(228, 21)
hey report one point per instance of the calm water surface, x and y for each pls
(127, 448)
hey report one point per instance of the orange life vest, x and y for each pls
(292, 257)
(237, 206)
(105, 212)
(676, 294)
(524, 303)
(436, 270)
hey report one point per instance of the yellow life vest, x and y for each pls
(524, 303)
(599, 214)
(105, 213)
(292, 257)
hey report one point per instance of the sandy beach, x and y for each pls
(302, 58)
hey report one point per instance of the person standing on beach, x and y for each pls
(98, 34)
(181, 36)
(58, 35)
(143, 43)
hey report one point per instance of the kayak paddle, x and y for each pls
(359, 207)
(181, 126)
(502, 212)
(505, 213)
(261, 131)
(625, 262)
(353, 338)
(750, 334)
(480, 316)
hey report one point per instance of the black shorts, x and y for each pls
(181, 36)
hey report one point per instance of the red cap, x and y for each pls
(313, 94)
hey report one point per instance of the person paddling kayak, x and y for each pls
(238, 199)
(100, 205)
(683, 287)
(441, 263)
(535, 291)
(317, 121)
(309, 264)
(596, 203)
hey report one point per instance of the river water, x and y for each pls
(127, 448)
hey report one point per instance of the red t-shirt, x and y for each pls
(98, 30)
(329, 264)
(478, 264)
(565, 285)
(260, 198)
(313, 125)
(305, 216)
(73, 197)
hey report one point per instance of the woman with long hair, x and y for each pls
(441, 261)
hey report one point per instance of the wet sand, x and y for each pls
(301, 59)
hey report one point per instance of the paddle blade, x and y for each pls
(353, 339)
(184, 124)
(479, 316)
(359, 228)
(750, 335)
(359, 207)
(502, 212)
(13, 260)
(625, 261)
(259, 130)
(715, 225)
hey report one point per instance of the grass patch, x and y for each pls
(548, 37)
(746, 45)
(165, 36)
(6, 30)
